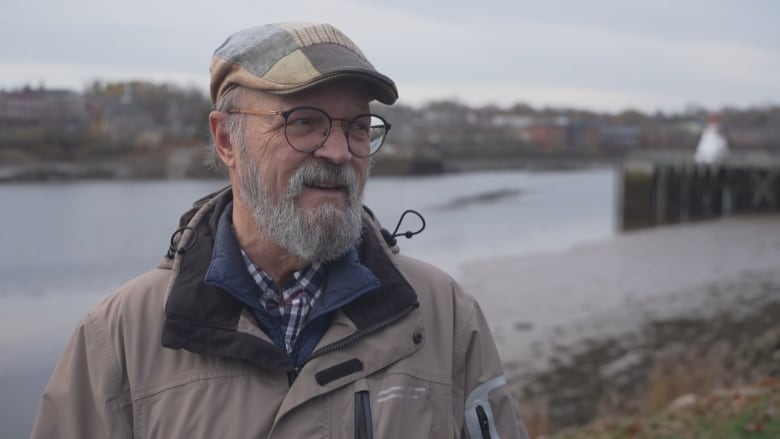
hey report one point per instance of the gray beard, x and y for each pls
(322, 234)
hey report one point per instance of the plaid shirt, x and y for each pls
(292, 305)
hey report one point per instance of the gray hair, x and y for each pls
(235, 126)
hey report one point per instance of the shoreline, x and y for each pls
(183, 163)
(583, 332)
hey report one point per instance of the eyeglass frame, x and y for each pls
(285, 114)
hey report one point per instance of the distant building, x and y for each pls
(620, 136)
(122, 125)
(60, 109)
(547, 134)
(563, 132)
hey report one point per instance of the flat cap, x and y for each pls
(285, 58)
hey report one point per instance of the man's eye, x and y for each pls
(301, 121)
(362, 125)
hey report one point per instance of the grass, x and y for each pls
(746, 413)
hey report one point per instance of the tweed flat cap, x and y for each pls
(285, 58)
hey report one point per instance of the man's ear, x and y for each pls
(225, 148)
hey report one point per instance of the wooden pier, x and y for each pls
(667, 188)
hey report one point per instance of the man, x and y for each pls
(280, 310)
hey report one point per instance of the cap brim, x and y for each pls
(380, 88)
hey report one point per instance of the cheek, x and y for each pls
(266, 151)
(272, 159)
(362, 168)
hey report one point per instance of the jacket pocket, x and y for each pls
(208, 404)
(396, 405)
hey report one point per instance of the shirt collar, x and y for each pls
(310, 280)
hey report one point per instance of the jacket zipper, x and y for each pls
(293, 373)
(364, 428)
(362, 333)
(484, 424)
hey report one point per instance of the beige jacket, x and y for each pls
(168, 357)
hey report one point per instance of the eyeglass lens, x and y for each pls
(308, 128)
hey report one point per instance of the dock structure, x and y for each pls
(669, 188)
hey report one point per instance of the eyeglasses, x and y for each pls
(307, 128)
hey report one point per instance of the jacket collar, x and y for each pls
(346, 278)
(203, 318)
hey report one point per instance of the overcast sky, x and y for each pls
(604, 55)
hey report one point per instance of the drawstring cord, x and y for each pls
(173, 248)
(390, 237)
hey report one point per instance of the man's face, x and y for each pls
(308, 203)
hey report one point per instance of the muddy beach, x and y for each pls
(625, 325)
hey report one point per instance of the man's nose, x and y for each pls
(336, 146)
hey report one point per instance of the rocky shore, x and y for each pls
(625, 326)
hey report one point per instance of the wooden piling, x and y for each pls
(672, 188)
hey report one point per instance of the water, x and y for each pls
(67, 245)
(537, 212)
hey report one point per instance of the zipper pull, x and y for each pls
(484, 424)
(364, 428)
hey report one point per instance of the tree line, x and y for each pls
(135, 117)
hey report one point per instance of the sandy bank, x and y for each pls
(594, 323)
(605, 287)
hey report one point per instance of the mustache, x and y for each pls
(323, 173)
